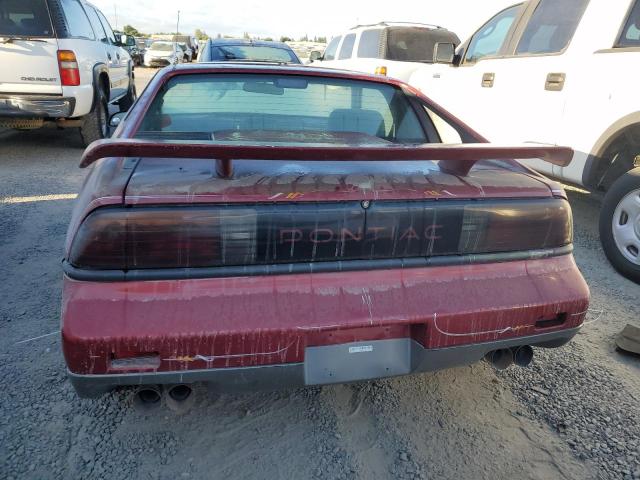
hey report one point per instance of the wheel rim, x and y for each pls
(626, 226)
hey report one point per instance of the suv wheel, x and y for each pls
(125, 102)
(95, 125)
(620, 225)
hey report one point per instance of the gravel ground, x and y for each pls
(573, 414)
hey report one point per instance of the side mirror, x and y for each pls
(117, 119)
(444, 53)
(315, 55)
(122, 40)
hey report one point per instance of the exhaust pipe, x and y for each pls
(147, 398)
(180, 398)
(500, 359)
(523, 356)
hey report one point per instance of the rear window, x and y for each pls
(369, 46)
(28, 18)
(415, 44)
(281, 109)
(630, 36)
(551, 27)
(253, 53)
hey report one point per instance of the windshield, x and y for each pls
(25, 18)
(162, 47)
(256, 108)
(252, 53)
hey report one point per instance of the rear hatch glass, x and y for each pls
(29, 47)
(416, 44)
(25, 18)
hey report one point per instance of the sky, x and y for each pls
(294, 18)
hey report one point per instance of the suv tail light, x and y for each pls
(69, 70)
(237, 235)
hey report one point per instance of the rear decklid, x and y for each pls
(28, 49)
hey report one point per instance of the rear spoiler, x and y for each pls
(455, 159)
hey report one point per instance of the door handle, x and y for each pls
(488, 79)
(109, 56)
(118, 56)
(555, 82)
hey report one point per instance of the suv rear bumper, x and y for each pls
(36, 106)
(393, 357)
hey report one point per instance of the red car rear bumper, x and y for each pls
(285, 330)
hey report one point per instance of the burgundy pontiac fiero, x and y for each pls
(263, 226)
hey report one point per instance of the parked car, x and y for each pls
(562, 73)
(189, 41)
(241, 50)
(396, 49)
(130, 44)
(268, 225)
(187, 52)
(61, 63)
(162, 54)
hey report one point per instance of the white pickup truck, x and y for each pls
(61, 62)
(395, 49)
(560, 72)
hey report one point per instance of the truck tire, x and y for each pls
(620, 225)
(124, 104)
(95, 125)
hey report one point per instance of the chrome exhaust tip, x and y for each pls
(147, 398)
(523, 356)
(180, 398)
(500, 359)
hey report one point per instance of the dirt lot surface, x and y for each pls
(574, 414)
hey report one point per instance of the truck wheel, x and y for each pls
(95, 125)
(125, 102)
(620, 225)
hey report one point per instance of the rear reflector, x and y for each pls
(233, 235)
(69, 71)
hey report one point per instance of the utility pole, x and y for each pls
(115, 11)
(178, 24)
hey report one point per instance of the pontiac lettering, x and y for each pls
(327, 235)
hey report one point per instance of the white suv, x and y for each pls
(395, 49)
(61, 62)
(560, 72)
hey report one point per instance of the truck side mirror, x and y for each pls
(315, 55)
(444, 53)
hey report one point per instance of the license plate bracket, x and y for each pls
(352, 362)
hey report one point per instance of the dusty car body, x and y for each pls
(251, 254)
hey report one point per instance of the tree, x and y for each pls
(268, 39)
(132, 31)
(286, 39)
(246, 36)
(201, 35)
(304, 39)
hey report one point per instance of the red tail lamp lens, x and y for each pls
(238, 235)
(69, 70)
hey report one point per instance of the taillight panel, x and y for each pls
(69, 69)
(237, 235)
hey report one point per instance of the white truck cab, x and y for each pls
(395, 49)
(560, 72)
(61, 63)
